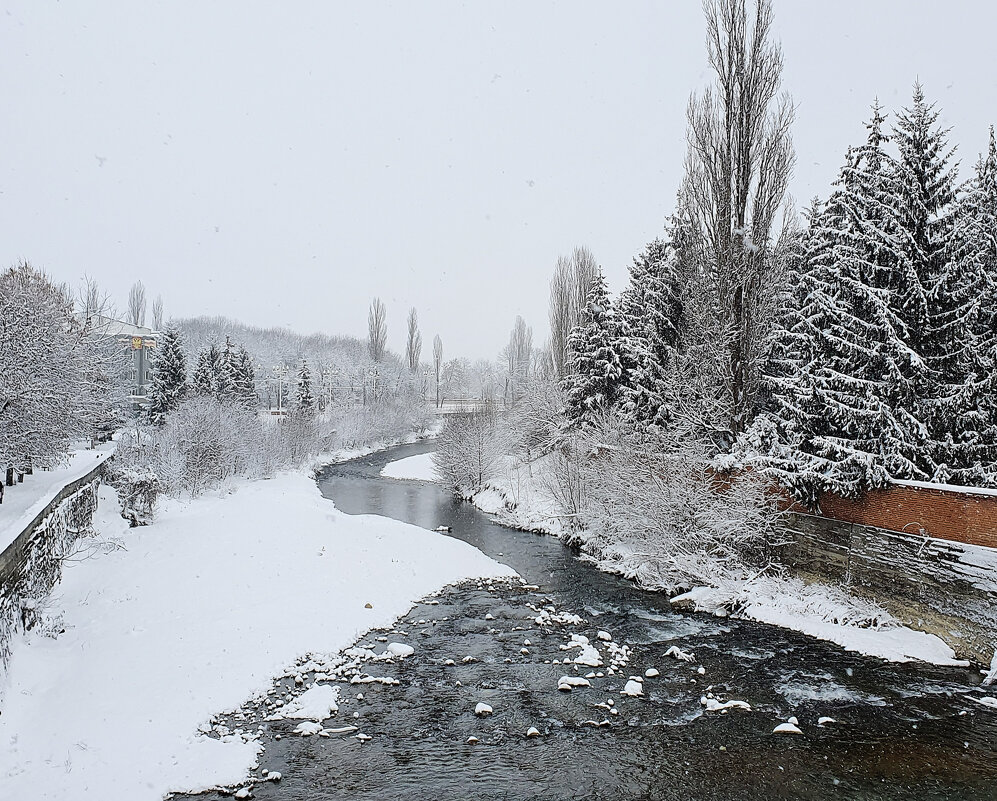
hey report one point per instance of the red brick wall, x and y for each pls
(943, 513)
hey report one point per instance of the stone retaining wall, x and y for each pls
(32, 564)
(943, 587)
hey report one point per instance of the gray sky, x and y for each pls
(283, 163)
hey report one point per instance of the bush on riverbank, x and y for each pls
(207, 441)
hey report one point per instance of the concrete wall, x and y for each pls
(943, 587)
(32, 564)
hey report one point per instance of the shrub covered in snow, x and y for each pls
(650, 506)
(469, 450)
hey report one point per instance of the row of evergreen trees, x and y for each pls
(227, 374)
(881, 362)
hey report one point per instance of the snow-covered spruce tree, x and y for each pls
(204, 380)
(304, 400)
(169, 379)
(961, 414)
(598, 375)
(226, 373)
(943, 316)
(852, 412)
(647, 322)
(245, 380)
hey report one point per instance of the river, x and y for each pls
(902, 731)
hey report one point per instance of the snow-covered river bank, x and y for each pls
(155, 629)
(639, 721)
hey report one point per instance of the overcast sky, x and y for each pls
(283, 163)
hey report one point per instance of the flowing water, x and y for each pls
(901, 731)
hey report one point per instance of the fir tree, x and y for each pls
(169, 380)
(245, 379)
(304, 400)
(648, 320)
(960, 413)
(852, 412)
(595, 385)
(226, 373)
(205, 381)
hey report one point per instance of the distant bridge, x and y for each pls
(460, 406)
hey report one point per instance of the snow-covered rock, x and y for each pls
(986, 700)
(308, 728)
(651, 673)
(787, 728)
(589, 655)
(678, 653)
(482, 709)
(824, 721)
(632, 688)
(399, 649)
(568, 683)
(990, 677)
(533, 731)
(605, 636)
(318, 703)
(714, 705)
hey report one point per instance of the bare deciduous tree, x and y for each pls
(653, 509)
(157, 313)
(737, 169)
(568, 293)
(468, 451)
(92, 302)
(136, 304)
(413, 345)
(517, 356)
(437, 364)
(377, 330)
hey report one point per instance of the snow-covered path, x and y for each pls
(200, 612)
(22, 502)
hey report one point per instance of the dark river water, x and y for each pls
(901, 731)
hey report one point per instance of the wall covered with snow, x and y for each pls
(32, 564)
(942, 587)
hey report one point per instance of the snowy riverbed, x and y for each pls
(191, 616)
(519, 496)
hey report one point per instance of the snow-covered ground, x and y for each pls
(823, 612)
(346, 454)
(194, 615)
(520, 496)
(412, 468)
(22, 502)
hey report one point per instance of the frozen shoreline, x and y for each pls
(188, 617)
